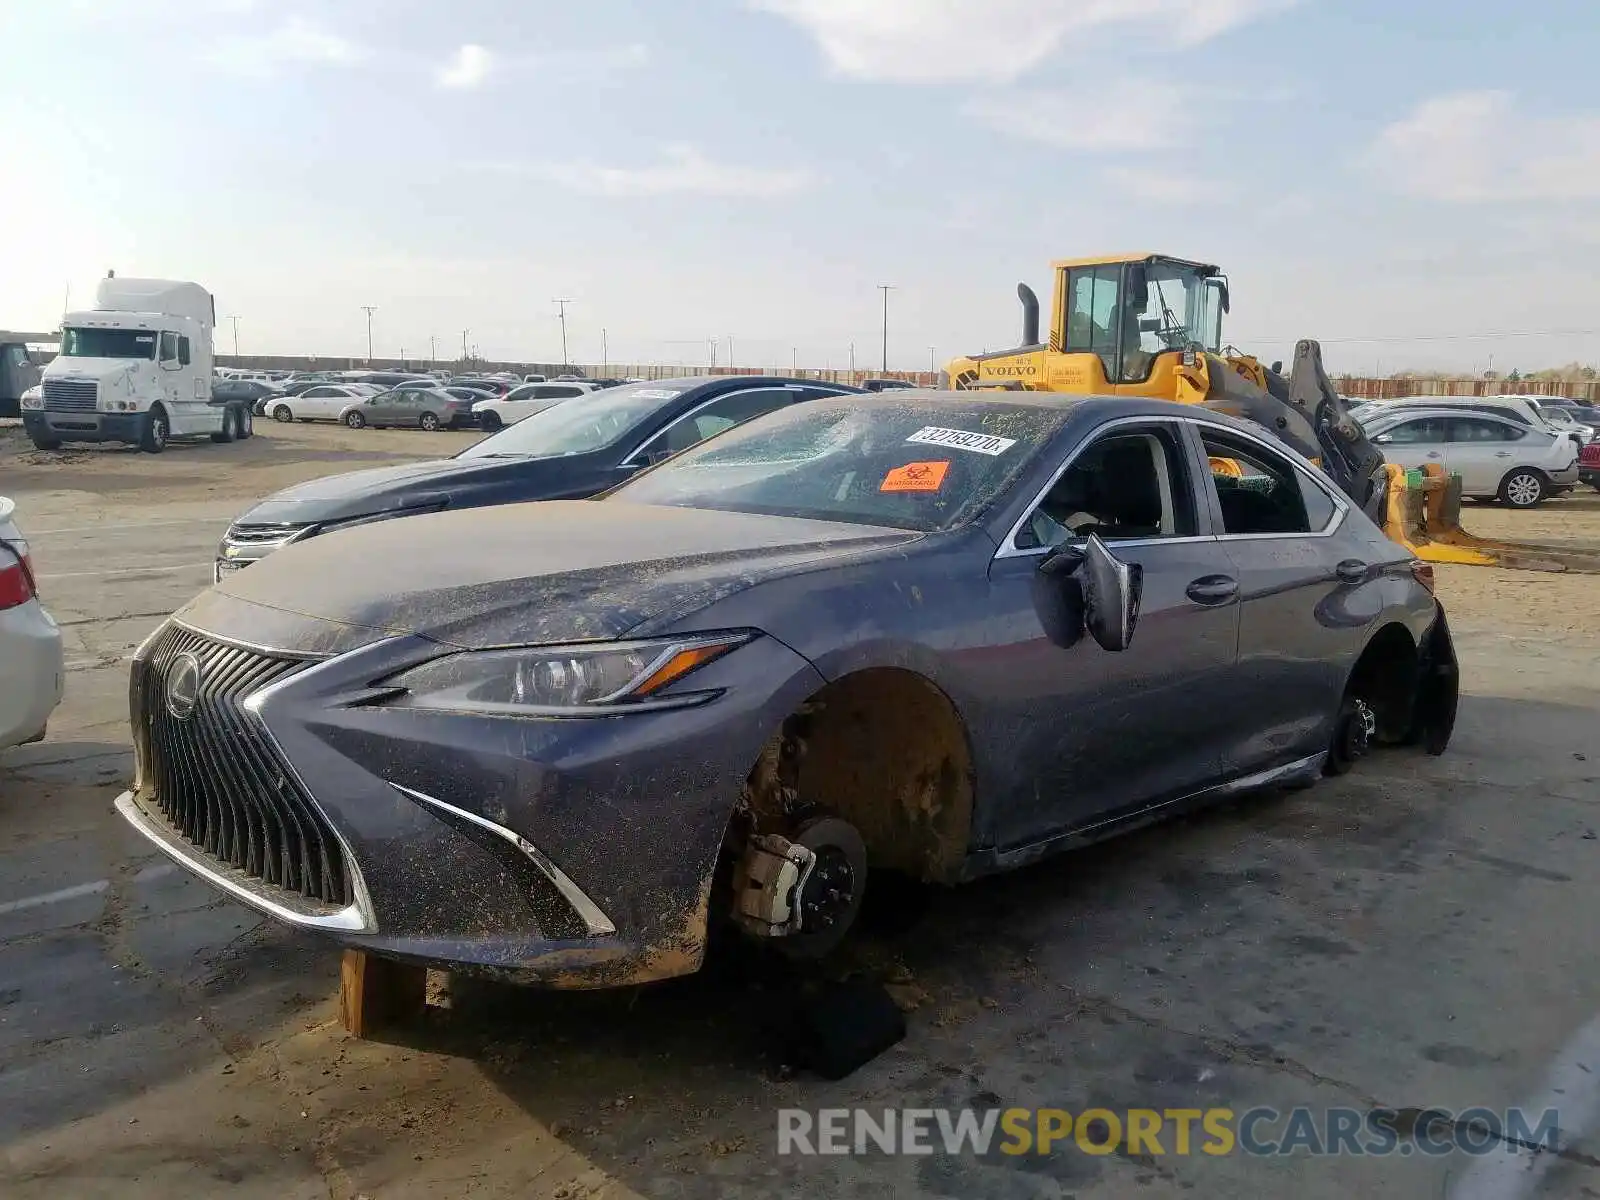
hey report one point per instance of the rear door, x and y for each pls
(1277, 519)
(1096, 734)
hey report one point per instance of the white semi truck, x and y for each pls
(135, 368)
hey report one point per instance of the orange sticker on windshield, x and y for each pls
(916, 477)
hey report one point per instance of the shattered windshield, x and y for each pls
(108, 343)
(908, 464)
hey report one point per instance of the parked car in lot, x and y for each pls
(1589, 465)
(253, 392)
(576, 448)
(325, 402)
(524, 402)
(1496, 457)
(421, 408)
(32, 665)
(886, 385)
(1566, 421)
(489, 387)
(556, 742)
(1521, 409)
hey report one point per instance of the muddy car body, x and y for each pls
(553, 742)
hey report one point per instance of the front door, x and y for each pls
(1099, 733)
(1414, 443)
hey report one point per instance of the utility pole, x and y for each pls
(712, 342)
(932, 369)
(604, 360)
(794, 359)
(730, 351)
(464, 333)
(402, 358)
(369, 309)
(852, 362)
(235, 321)
(886, 288)
(561, 305)
(433, 351)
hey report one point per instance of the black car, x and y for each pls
(245, 391)
(940, 637)
(886, 385)
(575, 449)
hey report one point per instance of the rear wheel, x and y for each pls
(226, 433)
(355, 420)
(491, 421)
(283, 413)
(153, 437)
(429, 422)
(1524, 488)
(1352, 736)
(247, 424)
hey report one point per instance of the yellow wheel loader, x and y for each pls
(1150, 325)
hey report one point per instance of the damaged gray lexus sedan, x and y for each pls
(934, 634)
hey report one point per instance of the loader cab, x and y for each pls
(1128, 312)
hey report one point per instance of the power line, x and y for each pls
(1444, 337)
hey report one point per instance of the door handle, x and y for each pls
(1352, 570)
(1502, 454)
(1433, 454)
(1212, 589)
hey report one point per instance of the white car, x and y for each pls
(1559, 417)
(32, 665)
(1497, 458)
(325, 402)
(524, 402)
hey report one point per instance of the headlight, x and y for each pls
(33, 400)
(569, 681)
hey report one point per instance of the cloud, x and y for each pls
(296, 42)
(686, 171)
(1154, 186)
(926, 41)
(467, 69)
(1125, 115)
(1477, 147)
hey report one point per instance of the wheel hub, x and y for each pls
(827, 893)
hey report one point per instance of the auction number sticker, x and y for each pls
(960, 439)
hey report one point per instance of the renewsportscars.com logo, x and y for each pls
(1216, 1132)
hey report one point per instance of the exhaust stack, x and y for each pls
(1030, 315)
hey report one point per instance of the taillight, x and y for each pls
(1422, 572)
(16, 576)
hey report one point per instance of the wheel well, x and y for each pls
(885, 750)
(1385, 676)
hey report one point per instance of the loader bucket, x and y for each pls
(1426, 519)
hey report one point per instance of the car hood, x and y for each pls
(421, 485)
(522, 574)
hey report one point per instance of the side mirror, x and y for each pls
(1088, 587)
(1383, 439)
(1112, 591)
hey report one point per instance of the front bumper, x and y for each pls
(1589, 474)
(33, 669)
(85, 427)
(569, 853)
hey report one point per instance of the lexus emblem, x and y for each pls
(183, 686)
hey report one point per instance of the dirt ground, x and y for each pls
(1410, 935)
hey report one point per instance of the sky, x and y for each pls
(1417, 185)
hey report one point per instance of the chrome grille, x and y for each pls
(256, 534)
(218, 779)
(70, 395)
